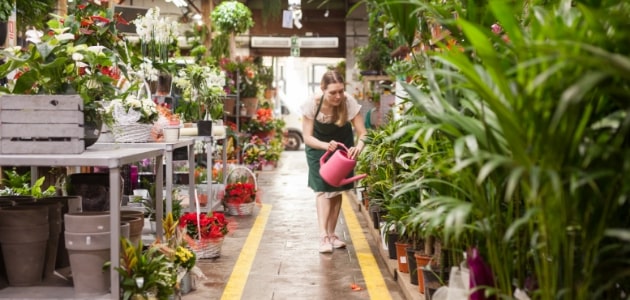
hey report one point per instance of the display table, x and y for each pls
(113, 159)
(168, 149)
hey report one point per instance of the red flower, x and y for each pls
(212, 226)
(100, 19)
(239, 193)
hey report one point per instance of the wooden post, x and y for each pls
(206, 8)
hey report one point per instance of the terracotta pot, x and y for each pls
(422, 260)
(401, 255)
(251, 105)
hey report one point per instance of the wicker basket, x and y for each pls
(205, 248)
(135, 133)
(239, 209)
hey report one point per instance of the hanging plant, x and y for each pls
(232, 17)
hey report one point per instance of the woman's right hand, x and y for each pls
(332, 146)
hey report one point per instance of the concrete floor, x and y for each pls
(287, 264)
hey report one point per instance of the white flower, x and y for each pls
(77, 57)
(34, 36)
(98, 49)
(64, 37)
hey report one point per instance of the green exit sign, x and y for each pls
(295, 51)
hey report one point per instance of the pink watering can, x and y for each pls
(335, 170)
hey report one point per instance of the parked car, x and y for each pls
(293, 126)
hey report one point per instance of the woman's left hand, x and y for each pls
(354, 152)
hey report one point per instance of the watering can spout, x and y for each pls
(352, 179)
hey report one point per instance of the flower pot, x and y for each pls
(251, 105)
(54, 232)
(136, 224)
(422, 261)
(229, 106)
(401, 256)
(413, 267)
(431, 281)
(391, 244)
(93, 189)
(171, 134)
(185, 285)
(69, 204)
(88, 253)
(87, 222)
(24, 252)
(204, 128)
(375, 213)
(92, 129)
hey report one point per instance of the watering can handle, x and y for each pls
(322, 160)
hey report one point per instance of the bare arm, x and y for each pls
(359, 129)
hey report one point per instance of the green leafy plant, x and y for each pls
(16, 184)
(232, 17)
(6, 9)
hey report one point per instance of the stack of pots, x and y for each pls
(24, 233)
(87, 237)
(69, 204)
(135, 218)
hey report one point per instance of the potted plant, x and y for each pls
(131, 118)
(232, 17)
(157, 35)
(203, 89)
(86, 60)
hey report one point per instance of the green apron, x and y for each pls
(326, 133)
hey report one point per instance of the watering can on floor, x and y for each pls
(335, 169)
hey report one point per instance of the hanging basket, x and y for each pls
(134, 133)
(239, 209)
(205, 248)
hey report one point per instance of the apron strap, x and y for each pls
(319, 107)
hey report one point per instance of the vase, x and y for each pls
(185, 285)
(401, 255)
(24, 233)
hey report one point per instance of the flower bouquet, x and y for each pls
(204, 232)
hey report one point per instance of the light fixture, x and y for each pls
(326, 13)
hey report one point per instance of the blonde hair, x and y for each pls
(339, 113)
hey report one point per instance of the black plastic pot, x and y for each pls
(413, 267)
(391, 244)
(204, 128)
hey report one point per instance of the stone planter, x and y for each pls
(87, 222)
(136, 224)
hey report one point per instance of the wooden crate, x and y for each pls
(41, 124)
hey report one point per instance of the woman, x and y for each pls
(328, 121)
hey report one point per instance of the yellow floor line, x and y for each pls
(374, 282)
(238, 279)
